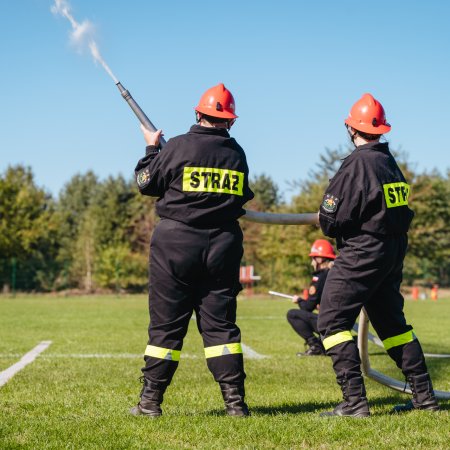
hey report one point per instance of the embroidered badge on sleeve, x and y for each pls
(330, 203)
(143, 177)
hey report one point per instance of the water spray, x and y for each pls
(82, 32)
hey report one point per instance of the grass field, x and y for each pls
(78, 392)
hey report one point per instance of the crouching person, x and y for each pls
(304, 319)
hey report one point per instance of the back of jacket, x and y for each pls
(201, 178)
(368, 194)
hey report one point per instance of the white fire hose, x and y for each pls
(363, 344)
(281, 219)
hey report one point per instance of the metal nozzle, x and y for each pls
(138, 111)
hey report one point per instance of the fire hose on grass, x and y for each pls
(401, 386)
(364, 337)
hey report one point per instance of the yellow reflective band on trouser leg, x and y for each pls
(338, 338)
(401, 339)
(162, 353)
(221, 350)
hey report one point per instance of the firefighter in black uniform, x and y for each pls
(304, 320)
(365, 207)
(201, 181)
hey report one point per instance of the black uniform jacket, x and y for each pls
(201, 177)
(315, 290)
(368, 195)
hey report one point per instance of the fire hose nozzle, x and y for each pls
(124, 92)
(138, 111)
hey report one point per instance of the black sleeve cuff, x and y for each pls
(327, 224)
(151, 150)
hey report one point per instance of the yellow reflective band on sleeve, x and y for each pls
(396, 194)
(162, 353)
(401, 339)
(221, 350)
(338, 338)
(207, 179)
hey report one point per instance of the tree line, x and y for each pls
(95, 234)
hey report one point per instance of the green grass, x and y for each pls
(63, 401)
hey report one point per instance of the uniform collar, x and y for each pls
(320, 270)
(198, 129)
(377, 146)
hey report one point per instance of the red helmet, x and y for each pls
(322, 248)
(217, 101)
(367, 115)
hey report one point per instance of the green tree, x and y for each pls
(267, 193)
(75, 255)
(28, 231)
(267, 198)
(429, 239)
(106, 233)
(118, 268)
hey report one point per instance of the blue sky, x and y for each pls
(295, 68)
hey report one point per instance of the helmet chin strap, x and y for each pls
(352, 136)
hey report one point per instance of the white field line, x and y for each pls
(26, 359)
(248, 353)
(436, 355)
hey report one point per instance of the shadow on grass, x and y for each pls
(300, 408)
(318, 407)
(400, 399)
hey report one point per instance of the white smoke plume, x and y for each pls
(82, 33)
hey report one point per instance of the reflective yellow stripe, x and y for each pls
(401, 339)
(396, 194)
(162, 353)
(338, 338)
(208, 179)
(220, 350)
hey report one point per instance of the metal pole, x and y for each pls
(138, 111)
(280, 294)
(13, 275)
(281, 219)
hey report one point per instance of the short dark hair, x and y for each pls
(368, 136)
(212, 119)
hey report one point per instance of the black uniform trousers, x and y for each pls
(303, 322)
(194, 269)
(368, 273)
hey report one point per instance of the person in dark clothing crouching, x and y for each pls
(304, 319)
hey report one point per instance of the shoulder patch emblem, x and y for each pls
(330, 203)
(143, 177)
(312, 290)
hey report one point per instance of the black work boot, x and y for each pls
(315, 348)
(355, 400)
(423, 395)
(233, 396)
(151, 399)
